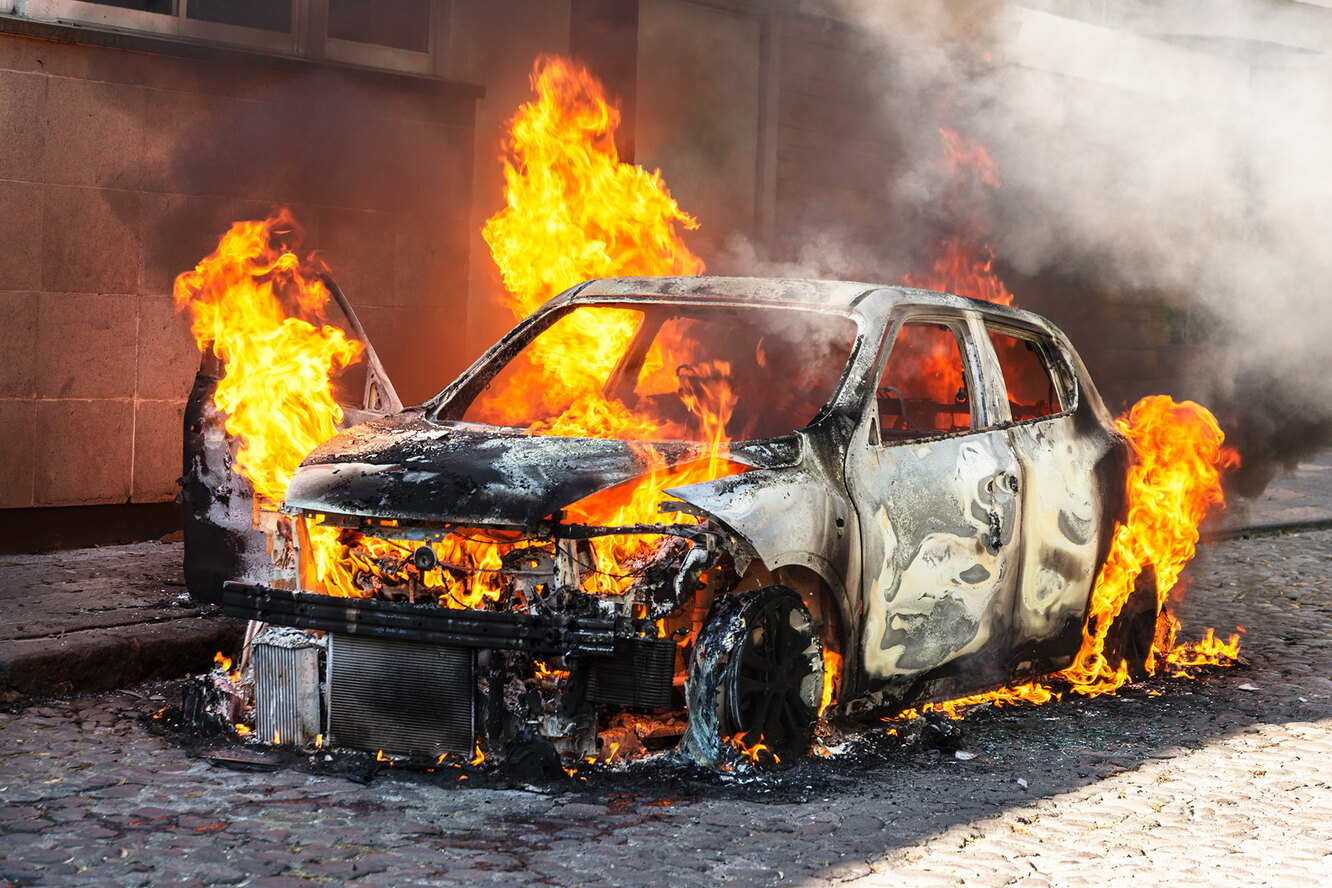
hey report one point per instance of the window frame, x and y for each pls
(1052, 358)
(308, 37)
(961, 329)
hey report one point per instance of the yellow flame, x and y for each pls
(262, 311)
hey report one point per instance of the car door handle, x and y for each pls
(993, 538)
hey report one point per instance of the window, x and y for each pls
(923, 391)
(268, 15)
(1032, 392)
(403, 24)
(394, 34)
(662, 371)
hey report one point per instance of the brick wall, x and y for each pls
(121, 167)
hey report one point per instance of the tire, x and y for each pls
(1133, 632)
(755, 681)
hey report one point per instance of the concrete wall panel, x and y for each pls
(84, 452)
(119, 170)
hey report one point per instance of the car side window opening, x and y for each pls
(923, 391)
(1032, 393)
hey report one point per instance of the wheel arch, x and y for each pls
(824, 595)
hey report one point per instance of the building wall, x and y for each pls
(122, 160)
(499, 56)
(699, 85)
(834, 155)
(120, 168)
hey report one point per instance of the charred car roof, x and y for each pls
(870, 298)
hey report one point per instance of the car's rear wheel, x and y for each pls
(755, 681)
(1129, 639)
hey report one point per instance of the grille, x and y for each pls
(286, 688)
(399, 696)
(640, 674)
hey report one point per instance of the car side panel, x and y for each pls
(1063, 516)
(940, 559)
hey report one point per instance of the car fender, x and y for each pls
(784, 516)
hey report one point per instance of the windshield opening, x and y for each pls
(671, 372)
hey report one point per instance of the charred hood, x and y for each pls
(411, 468)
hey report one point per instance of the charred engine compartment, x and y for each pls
(442, 656)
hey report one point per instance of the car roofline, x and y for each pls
(837, 295)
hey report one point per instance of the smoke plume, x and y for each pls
(1173, 154)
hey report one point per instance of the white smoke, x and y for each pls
(1177, 149)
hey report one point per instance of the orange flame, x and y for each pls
(262, 311)
(752, 753)
(963, 268)
(573, 210)
(964, 265)
(832, 668)
(1208, 651)
(1174, 482)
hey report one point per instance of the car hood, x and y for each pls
(410, 468)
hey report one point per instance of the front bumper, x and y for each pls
(538, 634)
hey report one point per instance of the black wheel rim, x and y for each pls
(765, 678)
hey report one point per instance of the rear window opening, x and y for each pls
(1032, 392)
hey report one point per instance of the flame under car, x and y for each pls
(699, 512)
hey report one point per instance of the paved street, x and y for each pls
(1171, 782)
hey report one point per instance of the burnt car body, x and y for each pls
(938, 518)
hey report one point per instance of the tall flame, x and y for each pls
(964, 264)
(1174, 482)
(261, 309)
(573, 210)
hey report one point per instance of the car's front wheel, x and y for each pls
(755, 681)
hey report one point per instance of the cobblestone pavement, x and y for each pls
(1172, 781)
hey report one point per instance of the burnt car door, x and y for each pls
(935, 486)
(228, 532)
(1063, 512)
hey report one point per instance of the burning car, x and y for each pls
(695, 511)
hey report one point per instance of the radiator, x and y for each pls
(640, 674)
(401, 697)
(286, 686)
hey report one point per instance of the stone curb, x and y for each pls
(1267, 529)
(116, 657)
